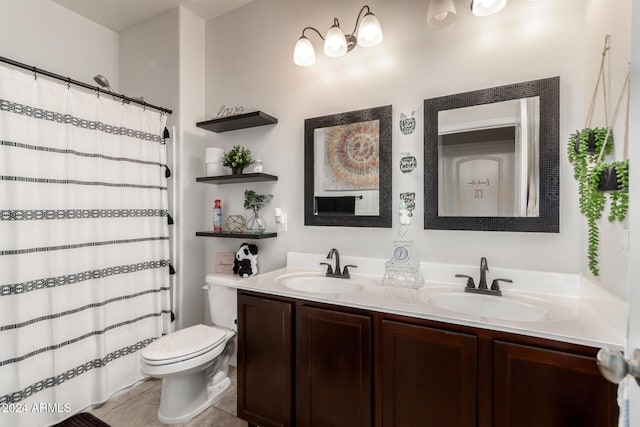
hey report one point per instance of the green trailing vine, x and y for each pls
(620, 199)
(588, 171)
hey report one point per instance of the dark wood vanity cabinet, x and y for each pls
(333, 368)
(541, 387)
(308, 364)
(265, 358)
(428, 376)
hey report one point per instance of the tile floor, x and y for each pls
(139, 406)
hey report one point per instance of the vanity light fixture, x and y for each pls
(487, 7)
(366, 33)
(440, 13)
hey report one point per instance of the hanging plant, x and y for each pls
(581, 157)
(619, 197)
(596, 181)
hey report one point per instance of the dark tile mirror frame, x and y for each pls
(549, 201)
(383, 219)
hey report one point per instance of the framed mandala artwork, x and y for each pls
(347, 168)
(351, 156)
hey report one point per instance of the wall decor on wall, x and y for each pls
(351, 156)
(408, 163)
(407, 123)
(409, 200)
(347, 158)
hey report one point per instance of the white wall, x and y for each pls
(602, 19)
(163, 59)
(249, 63)
(46, 35)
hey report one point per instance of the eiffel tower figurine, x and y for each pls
(403, 270)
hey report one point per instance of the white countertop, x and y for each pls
(581, 312)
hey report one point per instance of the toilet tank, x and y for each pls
(223, 306)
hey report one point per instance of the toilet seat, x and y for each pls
(184, 344)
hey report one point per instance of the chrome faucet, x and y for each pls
(482, 285)
(336, 272)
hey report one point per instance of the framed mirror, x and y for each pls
(347, 169)
(492, 159)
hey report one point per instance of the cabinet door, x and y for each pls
(428, 377)
(333, 369)
(265, 361)
(538, 387)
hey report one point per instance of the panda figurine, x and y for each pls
(245, 263)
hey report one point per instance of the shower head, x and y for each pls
(102, 81)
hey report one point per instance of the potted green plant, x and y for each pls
(255, 202)
(597, 179)
(237, 159)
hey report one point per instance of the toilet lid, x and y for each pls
(184, 342)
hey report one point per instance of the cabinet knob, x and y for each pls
(615, 367)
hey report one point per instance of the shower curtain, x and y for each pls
(84, 246)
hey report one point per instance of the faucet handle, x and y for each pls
(470, 282)
(329, 268)
(345, 271)
(495, 285)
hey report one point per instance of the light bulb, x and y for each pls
(304, 54)
(370, 32)
(335, 43)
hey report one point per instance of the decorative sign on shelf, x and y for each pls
(224, 262)
(408, 163)
(407, 124)
(229, 111)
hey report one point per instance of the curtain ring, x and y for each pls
(35, 73)
(68, 83)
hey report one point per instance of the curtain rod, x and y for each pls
(69, 80)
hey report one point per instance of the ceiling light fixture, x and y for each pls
(487, 7)
(440, 13)
(366, 33)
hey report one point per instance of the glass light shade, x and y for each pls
(487, 7)
(440, 13)
(369, 33)
(335, 43)
(304, 54)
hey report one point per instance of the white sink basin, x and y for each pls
(318, 283)
(520, 308)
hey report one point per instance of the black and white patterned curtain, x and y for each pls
(84, 246)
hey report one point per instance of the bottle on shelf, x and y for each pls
(217, 217)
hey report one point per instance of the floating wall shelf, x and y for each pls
(236, 235)
(239, 121)
(232, 179)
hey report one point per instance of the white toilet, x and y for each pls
(193, 363)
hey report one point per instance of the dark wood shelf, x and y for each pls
(232, 179)
(236, 235)
(238, 121)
